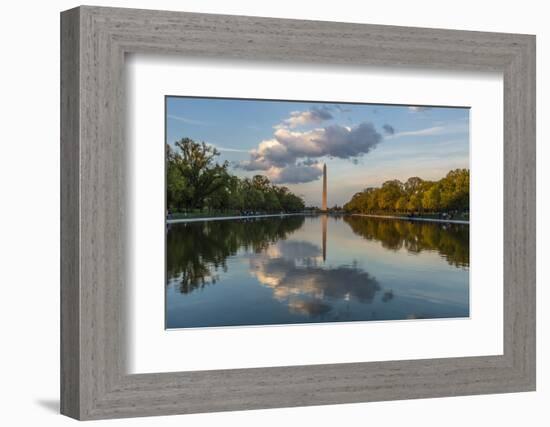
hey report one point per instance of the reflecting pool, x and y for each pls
(304, 269)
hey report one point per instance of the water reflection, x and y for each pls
(296, 276)
(324, 222)
(451, 241)
(278, 270)
(197, 251)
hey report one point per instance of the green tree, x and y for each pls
(175, 185)
(455, 193)
(415, 195)
(196, 181)
(271, 201)
(253, 197)
(261, 183)
(431, 199)
(401, 204)
(388, 195)
(236, 193)
(413, 185)
(194, 173)
(414, 204)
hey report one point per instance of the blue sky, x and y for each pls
(362, 145)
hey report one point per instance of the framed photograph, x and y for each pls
(262, 213)
(253, 216)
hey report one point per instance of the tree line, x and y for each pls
(196, 181)
(449, 194)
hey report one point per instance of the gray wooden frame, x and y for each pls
(94, 41)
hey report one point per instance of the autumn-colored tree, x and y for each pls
(401, 204)
(415, 203)
(432, 199)
(451, 193)
(389, 193)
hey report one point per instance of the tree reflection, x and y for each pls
(196, 251)
(295, 270)
(451, 241)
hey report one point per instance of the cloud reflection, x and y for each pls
(295, 273)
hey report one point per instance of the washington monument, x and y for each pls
(324, 187)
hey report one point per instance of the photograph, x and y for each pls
(290, 212)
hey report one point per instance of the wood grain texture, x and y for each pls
(70, 259)
(94, 238)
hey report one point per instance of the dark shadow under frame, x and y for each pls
(94, 41)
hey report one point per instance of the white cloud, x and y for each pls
(291, 155)
(294, 174)
(287, 147)
(315, 115)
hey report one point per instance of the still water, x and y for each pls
(303, 269)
